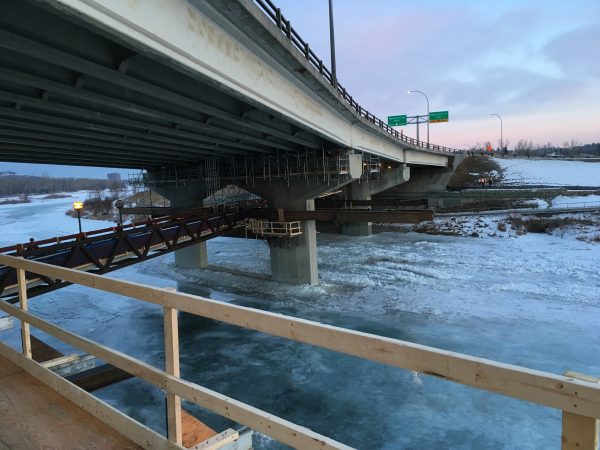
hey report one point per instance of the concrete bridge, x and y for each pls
(198, 94)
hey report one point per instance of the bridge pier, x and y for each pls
(363, 190)
(295, 261)
(194, 256)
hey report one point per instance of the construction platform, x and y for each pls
(35, 416)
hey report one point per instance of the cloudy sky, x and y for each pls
(534, 62)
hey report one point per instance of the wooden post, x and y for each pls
(25, 334)
(579, 432)
(174, 427)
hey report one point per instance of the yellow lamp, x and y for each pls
(78, 206)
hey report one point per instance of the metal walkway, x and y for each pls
(109, 249)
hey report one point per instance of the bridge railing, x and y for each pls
(578, 396)
(286, 28)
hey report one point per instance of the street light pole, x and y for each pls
(78, 206)
(119, 204)
(332, 45)
(501, 136)
(426, 98)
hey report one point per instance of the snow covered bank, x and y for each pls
(41, 219)
(549, 172)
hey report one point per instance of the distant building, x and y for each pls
(114, 177)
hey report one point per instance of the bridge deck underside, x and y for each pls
(76, 91)
(70, 94)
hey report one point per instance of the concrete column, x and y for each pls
(194, 256)
(358, 228)
(364, 189)
(296, 262)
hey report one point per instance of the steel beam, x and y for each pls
(319, 215)
(334, 215)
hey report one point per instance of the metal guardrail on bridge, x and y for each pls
(286, 28)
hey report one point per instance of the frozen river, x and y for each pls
(532, 301)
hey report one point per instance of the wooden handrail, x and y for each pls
(280, 429)
(565, 393)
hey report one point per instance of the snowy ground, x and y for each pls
(549, 172)
(530, 300)
(42, 219)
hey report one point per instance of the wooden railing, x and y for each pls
(577, 396)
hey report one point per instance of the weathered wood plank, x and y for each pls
(579, 432)
(194, 431)
(43, 352)
(171, 330)
(25, 333)
(280, 429)
(98, 377)
(73, 419)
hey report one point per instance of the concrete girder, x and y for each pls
(120, 78)
(27, 154)
(60, 124)
(239, 66)
(427, 159)
(104, 118)
(143, 112)
(106, 139)
(47, 152)
(110, 147)
(429, 179)
(389, 178)
(116, 152)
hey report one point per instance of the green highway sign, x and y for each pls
(396, 121)
(438, 116)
